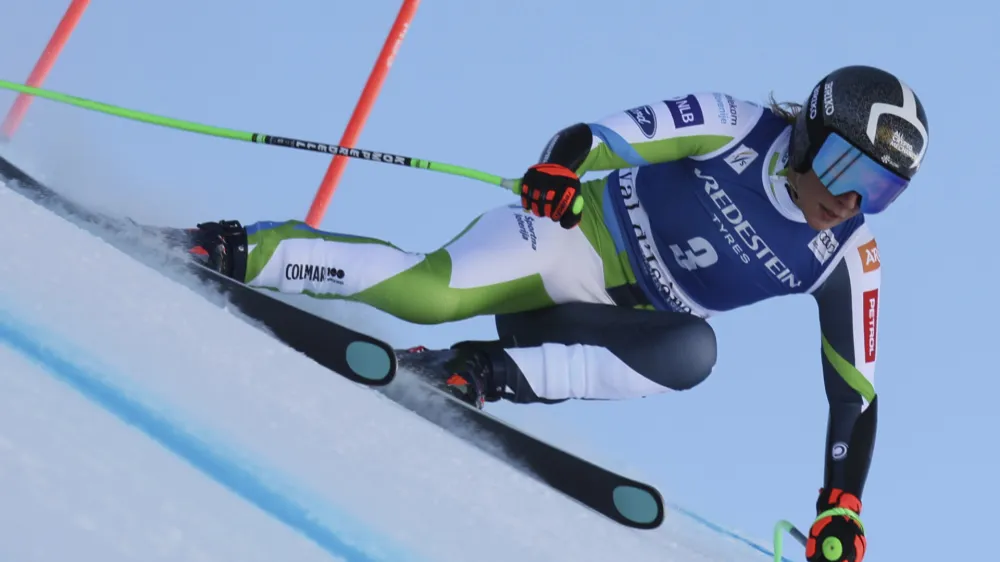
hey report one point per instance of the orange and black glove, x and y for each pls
(837, 535)
(553, 191)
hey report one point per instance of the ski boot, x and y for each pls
(465, 371)
(220, 246)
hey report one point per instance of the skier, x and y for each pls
(601, 288)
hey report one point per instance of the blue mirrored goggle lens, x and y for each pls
(843, 168)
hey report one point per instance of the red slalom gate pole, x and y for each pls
(44, 65)
(361, 110)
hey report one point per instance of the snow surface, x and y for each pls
(141, 421)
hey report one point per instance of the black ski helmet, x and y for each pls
(871, 109)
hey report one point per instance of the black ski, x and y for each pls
(621, 499)
(351, 354)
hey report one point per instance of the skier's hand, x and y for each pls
(837, 535)
(553, 191)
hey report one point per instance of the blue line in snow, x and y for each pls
(223, 470)
(723, 531)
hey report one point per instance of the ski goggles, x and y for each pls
(843, 168)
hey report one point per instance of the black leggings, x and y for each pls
(675, 350)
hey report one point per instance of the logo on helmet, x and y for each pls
(907, 112)
(828, 99)
(902, 145)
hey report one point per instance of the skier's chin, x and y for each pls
(819, 224)
(819, 218)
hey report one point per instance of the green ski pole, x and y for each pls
(261, 138)
(779, 530)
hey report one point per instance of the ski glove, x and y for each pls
(837, 535)
(553, 191)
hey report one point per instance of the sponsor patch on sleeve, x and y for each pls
(686, 111)
(869, 256)
(870, 318)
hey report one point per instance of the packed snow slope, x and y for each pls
(141, 421)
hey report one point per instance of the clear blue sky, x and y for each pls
(482, 85)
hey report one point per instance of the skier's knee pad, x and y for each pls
(683, 356)
(699, 356)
